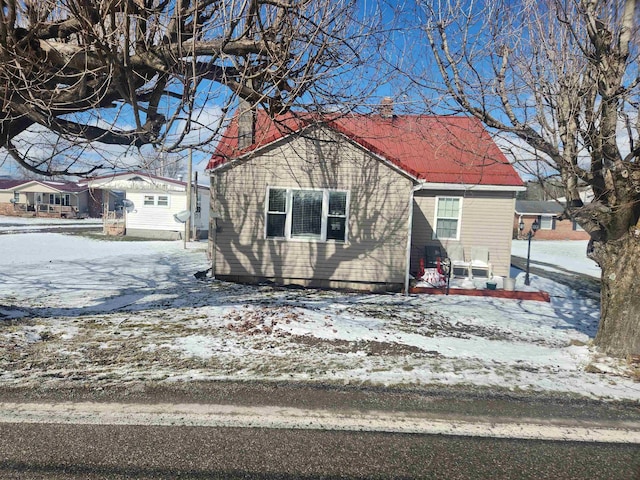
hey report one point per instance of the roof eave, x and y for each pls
(518, 212)
(425, 185)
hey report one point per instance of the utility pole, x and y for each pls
(196, 215)
(187, 224)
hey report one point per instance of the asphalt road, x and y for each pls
(107, 451)
(37, 451)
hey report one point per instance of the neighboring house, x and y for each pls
(48, 199)
(549, 218)
(151, 203)
(353, 201)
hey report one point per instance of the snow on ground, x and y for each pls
(24, 224)
(75, 310)
(30, 221)
(567, 255)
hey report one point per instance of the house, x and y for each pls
(354, 201)
(48, 199)
(150, 205)
(548, 214)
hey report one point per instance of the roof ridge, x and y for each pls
(434, 148)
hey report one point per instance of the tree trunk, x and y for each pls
(619, 331)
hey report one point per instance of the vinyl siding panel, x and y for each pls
(487, 220)
(147, 217)
(37, 188)
(378, 206)
(82, 202)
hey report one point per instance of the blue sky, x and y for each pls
(209, 105)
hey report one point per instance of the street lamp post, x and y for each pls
(532, 231)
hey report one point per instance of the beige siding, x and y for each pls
(36, 188)
(487, 220)
(375, 250)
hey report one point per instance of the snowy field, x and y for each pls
(78, 311)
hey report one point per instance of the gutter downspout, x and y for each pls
(213, 225)
(414, 189)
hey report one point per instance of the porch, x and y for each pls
(494, 287)
(46, 210)
(46, 204)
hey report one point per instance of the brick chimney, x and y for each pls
(246, 125)
(386, 107)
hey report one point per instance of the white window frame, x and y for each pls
(154, 200)
(61, 199)
(458, 218)
(289, 214)
(550, 226)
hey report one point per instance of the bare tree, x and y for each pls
(128, 73)
(560, 78)
(163, 164)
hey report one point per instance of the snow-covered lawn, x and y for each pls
(25, 224)
(567, 255)
(75, 310)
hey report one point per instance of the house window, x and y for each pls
(547, 222)
(58, 199)
(156, 200)
(448, 211)
(306, 214)
(276, 212)
(337, 216)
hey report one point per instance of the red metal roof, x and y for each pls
(435, 149)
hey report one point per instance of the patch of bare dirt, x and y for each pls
(261, 321)
(370, 347)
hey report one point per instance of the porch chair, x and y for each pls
(480, 261)
(456, 255)
(433, 254)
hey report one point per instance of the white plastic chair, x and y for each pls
(456, 255)
(480, 261)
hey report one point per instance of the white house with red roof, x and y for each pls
(356, 201)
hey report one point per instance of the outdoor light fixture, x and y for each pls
(532, 231)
